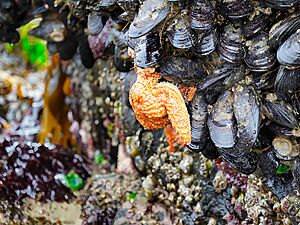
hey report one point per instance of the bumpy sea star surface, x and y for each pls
(157, 105)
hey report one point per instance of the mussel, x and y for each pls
(224, 70)
(247, 114)
(94, 24)
(260, 56)
(268, 163)
(199, 129)
(234, 9)
(245, 161)
(279, 111)
(263, 80)
(281, 4)
(231, 46)
(182, 70)
(86, 54)
(221, 122)
(202, 15)
(67, 48)
(180, 33)
(150, 15)
(287, 80)
(288, 53)
(281, 30)
(205, 42)
(147, 50)
(255, 24)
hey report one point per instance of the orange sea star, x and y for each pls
(157, 105)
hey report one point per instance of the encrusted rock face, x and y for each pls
(240, 61)
(192, 187)
(97, 107)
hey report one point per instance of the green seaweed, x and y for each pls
(131, 196)
(73, 181)
(33, 50)
(282, 169)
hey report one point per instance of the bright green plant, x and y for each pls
(33, 50)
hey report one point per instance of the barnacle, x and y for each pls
(5, 86)
(157, 105)
(54, 122)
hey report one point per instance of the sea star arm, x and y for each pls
(177, 112)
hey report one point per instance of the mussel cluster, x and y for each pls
(243, 56)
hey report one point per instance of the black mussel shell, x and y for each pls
(180, 33)
(241, 160)
(237, 75)
(221, 123)
(122, 61)
(129, 80)
(263, 80)
(50, 30)
(199, 129)
(287, 80)
(202, 15)
(255, 25)
(288, 53)
(210, 151)
(234, 9)
(222, 71)
(278, 130)
(284, 29)
(130, 124)
(264, 138)
(296, 173)
(231, 46)
(147, 50)
(295, 101)
(222, 132)
(212, 92)
(94, 24)
(151, 14)
(67, 48)
(267, 163)
(247, 114)
(281, 4)
(38, 10)
(181, 70)
(86, 54)
(205, 42)
(131, 42)
(280, 112)
(260, 56)
(10, 36)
